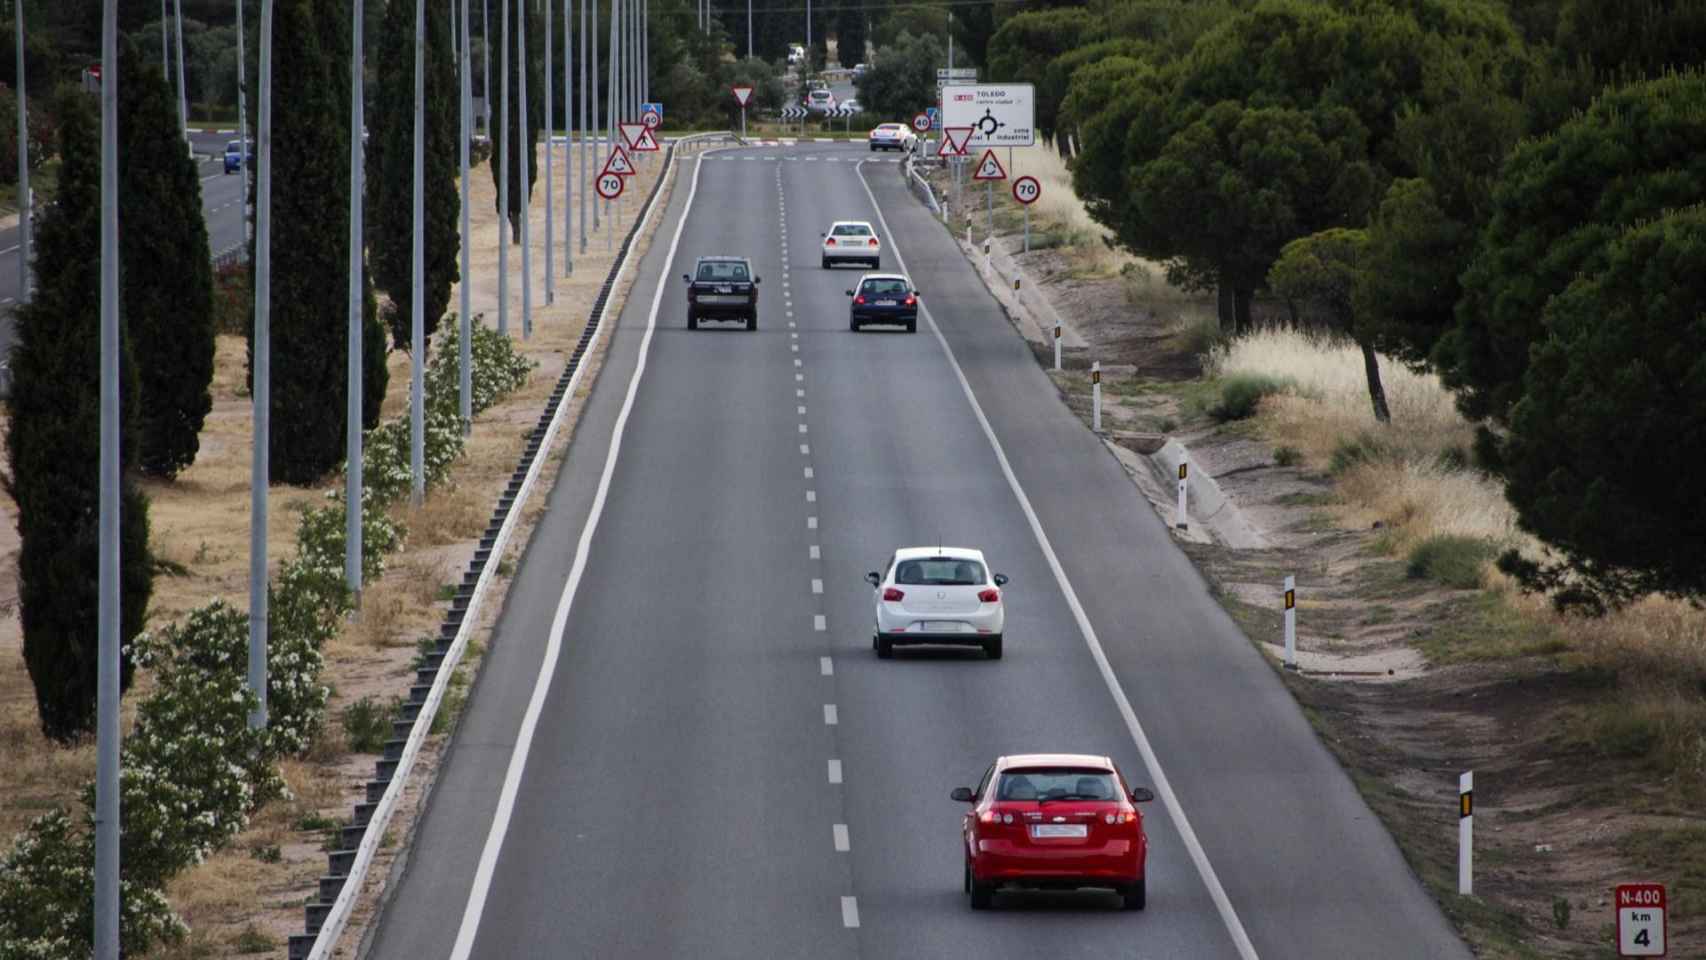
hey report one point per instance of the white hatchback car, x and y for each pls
(852, 241)
(938, 595)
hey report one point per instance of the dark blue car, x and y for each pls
(883, 298)
(234, 158)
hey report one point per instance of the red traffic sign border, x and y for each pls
(988, 157)
(949, 147)
(742, 94)
(599, 182)
(921, 122)
(1038, 196)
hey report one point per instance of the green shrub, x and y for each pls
(367, 725)
(1287, 456)
(1453, 560)
(47, 898)
(1242, 393)
(498, 369)
(1357, 450)
(320, 537)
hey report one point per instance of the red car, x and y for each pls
(1054, 821)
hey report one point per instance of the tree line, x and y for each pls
(1506, 193)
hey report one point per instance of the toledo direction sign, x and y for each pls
(1000, 114)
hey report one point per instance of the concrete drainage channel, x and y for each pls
(347, 866)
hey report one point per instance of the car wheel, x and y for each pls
(885, 648)
(825, 263)
(912, 326)
(876, 263)
(965, 878)
(853, 325)
(1134, 896)
(982, 894)
(752, 323)
(692, 322)
(992, 647)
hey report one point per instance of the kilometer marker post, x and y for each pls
(1096, 396)
(1290, 620)
(1466, 833)
(1182, 518)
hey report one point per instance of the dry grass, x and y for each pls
(1060, 211)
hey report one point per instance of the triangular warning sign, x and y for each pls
(956, 138)
(742, 94)
(631, 132)
(645, 141)
(619, 163)
(989, 167)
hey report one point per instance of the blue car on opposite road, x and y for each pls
(234, 155)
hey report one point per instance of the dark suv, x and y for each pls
(883, 298)
(722, 288)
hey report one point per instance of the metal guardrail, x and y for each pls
(922, 188)
(347, 867)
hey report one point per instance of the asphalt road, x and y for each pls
(221, 204)
(715, 711)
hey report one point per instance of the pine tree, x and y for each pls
(54, 446)
(310, 254)
(391, 170)
(535, 111)
(168, 279)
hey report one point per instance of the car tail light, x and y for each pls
(991, 595)
(860, 299)
(994, 817)
(873, 241)
(910, 300)
(891, 595)
(830, 242)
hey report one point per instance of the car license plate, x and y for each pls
(885, 303)
(1043, 831)
(941, 626)
(712, 298)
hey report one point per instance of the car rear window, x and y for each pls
(896, 287)
(939, 572)
(730, 272)
(820, 94)
(1056, 783)
(851, 230)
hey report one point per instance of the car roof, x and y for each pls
(886, 276)
(722, 258)
(958, 553)
(1053, 760)
(853, 223)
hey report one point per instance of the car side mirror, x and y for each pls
(963, 795)
(757, 279)
(1142, 795)
(873, 578)
(1001, 579)
(849, 293)
(686, 278)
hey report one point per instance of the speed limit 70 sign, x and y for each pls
(1026, 190)
(610, 185)
(1640, 920)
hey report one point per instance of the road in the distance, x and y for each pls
(723, 769)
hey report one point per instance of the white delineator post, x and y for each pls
(1291, 623)
(1466, 833)
(1182, 517)
(1057, 347)
(1096, 396)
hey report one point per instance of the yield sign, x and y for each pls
(743, 94)
(619, 162)
(631, 132)
(645, 142)
(989, 167)
(956, 138)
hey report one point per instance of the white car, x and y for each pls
(892, 136)
(820, 100)
(938, 595)
(852, 241)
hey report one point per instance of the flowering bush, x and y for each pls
(320, 538)
(47, 894)
(498, 369)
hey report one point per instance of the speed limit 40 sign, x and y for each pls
(610, 185)
(1640, 920)
(1026, 190)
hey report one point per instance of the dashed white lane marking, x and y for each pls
(805, 449)
(802, 428)
(816, 554)
(817, 585)
(808, 469)
(799, 392)
(790, 312)
(829, 715)
(834, 769)
(797, 362)
(811, 524)
(842, 842)
(811, 496)
(790, 324)
(794, 335)
(826, 666)
(799, 377)
(819, 623)
(794, 346)
(850, 912)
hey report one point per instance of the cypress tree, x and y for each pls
(310, 256)
(518, 150)
(391, 170)
(168, 279)
(54, 446)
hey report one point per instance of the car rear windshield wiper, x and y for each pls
(1067, 796)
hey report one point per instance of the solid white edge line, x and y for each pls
(1163, 787)
(553, 648)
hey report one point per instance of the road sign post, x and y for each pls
(1026, 190)
(989, 170)
(742, 95)
(1640, 919)
(1290, 621)
(1466, 833)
